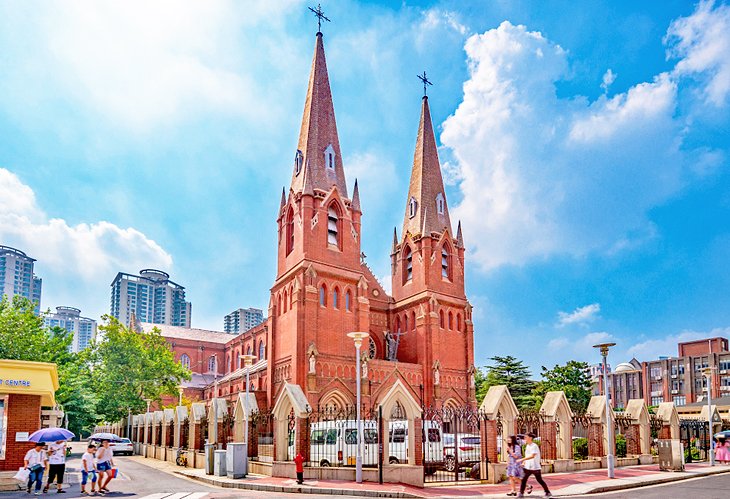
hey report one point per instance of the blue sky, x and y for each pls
(585, 146)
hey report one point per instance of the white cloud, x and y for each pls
(75, 261)
(543, 175)
(557, 344)
(142, 65)
(581, 315)
(608, 78)
(667, 346)
(702, 43)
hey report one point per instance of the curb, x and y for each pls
(658, 481)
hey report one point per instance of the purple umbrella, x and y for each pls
(50, 435)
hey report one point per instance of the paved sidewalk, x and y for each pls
(561, 484)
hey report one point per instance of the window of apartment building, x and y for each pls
(725, 381)
(724, 365)
(657, 400)
(680, 400)
(656, 372)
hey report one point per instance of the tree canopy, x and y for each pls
(508, 371)
(572, 378)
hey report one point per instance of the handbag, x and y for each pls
(22, 474)
(113, 472)
(36, 467)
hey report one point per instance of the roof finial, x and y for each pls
(319, 13)
(424, 79)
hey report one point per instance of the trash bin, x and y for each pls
(209, 450)
(219, 464)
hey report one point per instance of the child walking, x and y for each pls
(88, 470)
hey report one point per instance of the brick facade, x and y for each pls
(549, 440)
(595, 440)
(633, 440)
(23, 415)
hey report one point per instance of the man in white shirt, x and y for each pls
(531, 462)
(35, 461)
(56, 465)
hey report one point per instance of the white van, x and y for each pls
(432, 439)
(334, 443)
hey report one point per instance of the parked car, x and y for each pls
(124, 446)
(467, 451)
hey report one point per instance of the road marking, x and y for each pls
(197, 495)
(177, 495)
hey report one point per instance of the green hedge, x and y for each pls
(580, 449)
(620, 445)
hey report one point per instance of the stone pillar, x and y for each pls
(595, 440)
(548, 440)
(490, 437)
(385, 440)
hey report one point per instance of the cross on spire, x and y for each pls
(319, 13)
(424, 79)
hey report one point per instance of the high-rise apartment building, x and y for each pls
(153, 298)
(17, 277)
(242, 320)
(83, 329)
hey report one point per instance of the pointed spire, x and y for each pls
(430, 213)
(459, 237)
(283, 198)
(395, 239)
(318, 151)
(307, 188)
(356, 198)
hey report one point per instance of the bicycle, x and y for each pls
(181, 458)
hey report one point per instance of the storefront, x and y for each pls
(25, 387)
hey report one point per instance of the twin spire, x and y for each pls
(318, 159)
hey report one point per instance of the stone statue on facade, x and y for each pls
(392, 340)
(312, 363)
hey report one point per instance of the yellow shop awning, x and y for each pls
(29, 378)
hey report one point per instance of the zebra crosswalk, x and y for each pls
(176, 495)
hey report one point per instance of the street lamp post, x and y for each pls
(609, 422)
(146, 426)
(707, 373)
(215, 402)
(179, 395)
(358, 337)
(247, 363)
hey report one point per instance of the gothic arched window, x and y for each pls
(440, 203)
(451, 320)
(298, 160)
(445, 262)
(289, 230)
(248, 350)
(212, 364)
(323, 295)
(408, 267)
(348, 299)
(333, 225)
(441, 319)
(262, 350)
(329, 157)
(185, 361)
(335, 298)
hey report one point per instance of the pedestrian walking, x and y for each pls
(531, 463)
(299, 462)
(56, 465)
(88, 470)
(722, 450)
(514, 465)
(104, 464)
(35, 461)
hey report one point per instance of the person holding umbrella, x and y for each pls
(35, 461)
(58, 437)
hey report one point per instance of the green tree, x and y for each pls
(127, 367)
(572, 378)
(506, 371)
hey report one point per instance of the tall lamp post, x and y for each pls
(358, 337)
(180, 390)
(707, 373)
(215, 402)
(603, 347)
(247, 363)
(146, 426)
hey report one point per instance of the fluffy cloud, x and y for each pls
(702, 43)
(74, 260)
(654, 348)
(581, 315)
(543, 175)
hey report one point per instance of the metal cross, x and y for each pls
(320, 15)
(424, 79)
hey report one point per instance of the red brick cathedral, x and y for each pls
(421, 338)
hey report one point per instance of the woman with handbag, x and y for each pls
(35, 461)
